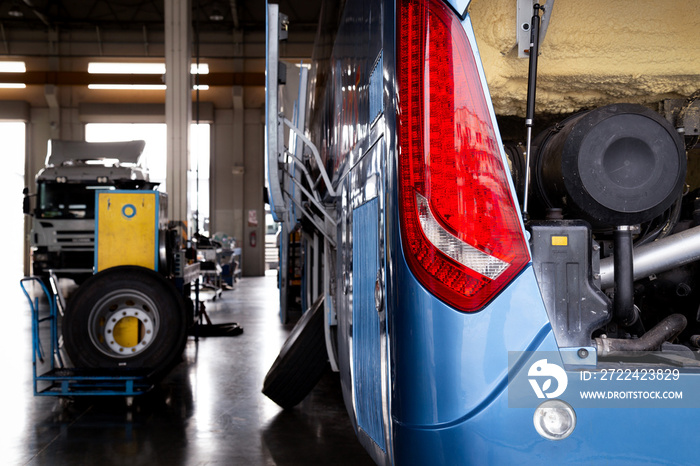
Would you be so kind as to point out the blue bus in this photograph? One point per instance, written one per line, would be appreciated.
(483, 301)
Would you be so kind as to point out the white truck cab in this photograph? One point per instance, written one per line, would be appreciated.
(62, 236)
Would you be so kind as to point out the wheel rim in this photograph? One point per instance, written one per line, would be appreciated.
(123, 323)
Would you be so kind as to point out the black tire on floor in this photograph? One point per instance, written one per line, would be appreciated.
(125, 318)
(301, 362)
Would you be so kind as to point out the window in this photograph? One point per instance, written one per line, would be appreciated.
(12, 135)
(155, 159)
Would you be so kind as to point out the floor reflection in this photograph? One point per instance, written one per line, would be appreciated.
(208, 410)
(318, 431)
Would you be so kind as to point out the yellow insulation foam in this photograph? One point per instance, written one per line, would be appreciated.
(595, 53)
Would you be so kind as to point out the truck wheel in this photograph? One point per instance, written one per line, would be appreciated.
(301, 362)
(123, 318)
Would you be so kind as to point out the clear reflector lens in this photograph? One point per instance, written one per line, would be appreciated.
(467, 255)
(554, 419)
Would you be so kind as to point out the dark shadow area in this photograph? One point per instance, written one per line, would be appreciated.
(317, 431)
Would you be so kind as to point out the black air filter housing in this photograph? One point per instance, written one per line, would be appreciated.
(621, 164)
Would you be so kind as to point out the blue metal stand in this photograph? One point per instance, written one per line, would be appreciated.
(59, 380)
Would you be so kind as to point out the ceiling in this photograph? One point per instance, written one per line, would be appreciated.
(57, 38)
(207, 15)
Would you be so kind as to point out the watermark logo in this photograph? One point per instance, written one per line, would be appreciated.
(546, 372)
(538, 376)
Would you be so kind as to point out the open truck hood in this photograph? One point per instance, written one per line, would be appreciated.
(127, 152)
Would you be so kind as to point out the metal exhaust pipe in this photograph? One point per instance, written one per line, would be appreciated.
(659, 256)
(666, 330)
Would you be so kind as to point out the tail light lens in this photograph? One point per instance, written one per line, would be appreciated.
(460, 228)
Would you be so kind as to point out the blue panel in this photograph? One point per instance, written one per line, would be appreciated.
(365, 322)
(376, 100)
(499, 434)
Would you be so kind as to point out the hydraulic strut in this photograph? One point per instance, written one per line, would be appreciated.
(531, 91)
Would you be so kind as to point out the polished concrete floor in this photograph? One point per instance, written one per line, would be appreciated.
(209, 410)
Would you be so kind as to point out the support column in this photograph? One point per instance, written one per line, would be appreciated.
(51, 96)
(178, 104)
(253, 205)
(50, 90)
(238, 152)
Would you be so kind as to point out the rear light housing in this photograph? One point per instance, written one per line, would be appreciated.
(460, 228)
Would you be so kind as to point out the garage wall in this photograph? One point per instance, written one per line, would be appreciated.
(238, 177)
(253, 193)
(237, 182)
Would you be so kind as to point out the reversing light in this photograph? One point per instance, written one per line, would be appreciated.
(554, 419)
(467, 255)
(460, 227)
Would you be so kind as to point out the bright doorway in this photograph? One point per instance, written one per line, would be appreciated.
(12, 135)
(155, 159)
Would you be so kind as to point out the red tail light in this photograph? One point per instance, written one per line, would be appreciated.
(459, 224)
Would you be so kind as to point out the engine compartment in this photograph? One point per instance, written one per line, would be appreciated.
(615, 227)
(613, 199)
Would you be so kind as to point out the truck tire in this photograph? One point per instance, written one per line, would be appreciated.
(301, 362)
(125, 318)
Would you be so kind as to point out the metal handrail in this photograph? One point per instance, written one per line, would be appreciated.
(316, 154)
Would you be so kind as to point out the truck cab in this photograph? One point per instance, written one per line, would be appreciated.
(62, 237)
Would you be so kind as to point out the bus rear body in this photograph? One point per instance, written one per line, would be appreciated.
(440, 298)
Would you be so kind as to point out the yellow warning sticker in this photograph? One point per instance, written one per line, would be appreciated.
(560, 240)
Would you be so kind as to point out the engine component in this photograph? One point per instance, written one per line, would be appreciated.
(624, 309)
(621, 164)
(685, 112)
(695, 341)
(515, 155)
(561, 256)
(659, 256)
(667, 329)
(531, 93)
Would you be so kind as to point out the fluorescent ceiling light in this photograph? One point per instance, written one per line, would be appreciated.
(303, 65)
(12, 67)
(12, 85)
(138, 68)
(129, 87)
(126, 68)
(216, 15)
(203, 68)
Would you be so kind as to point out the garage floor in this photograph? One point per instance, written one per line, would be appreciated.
(209, 410)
